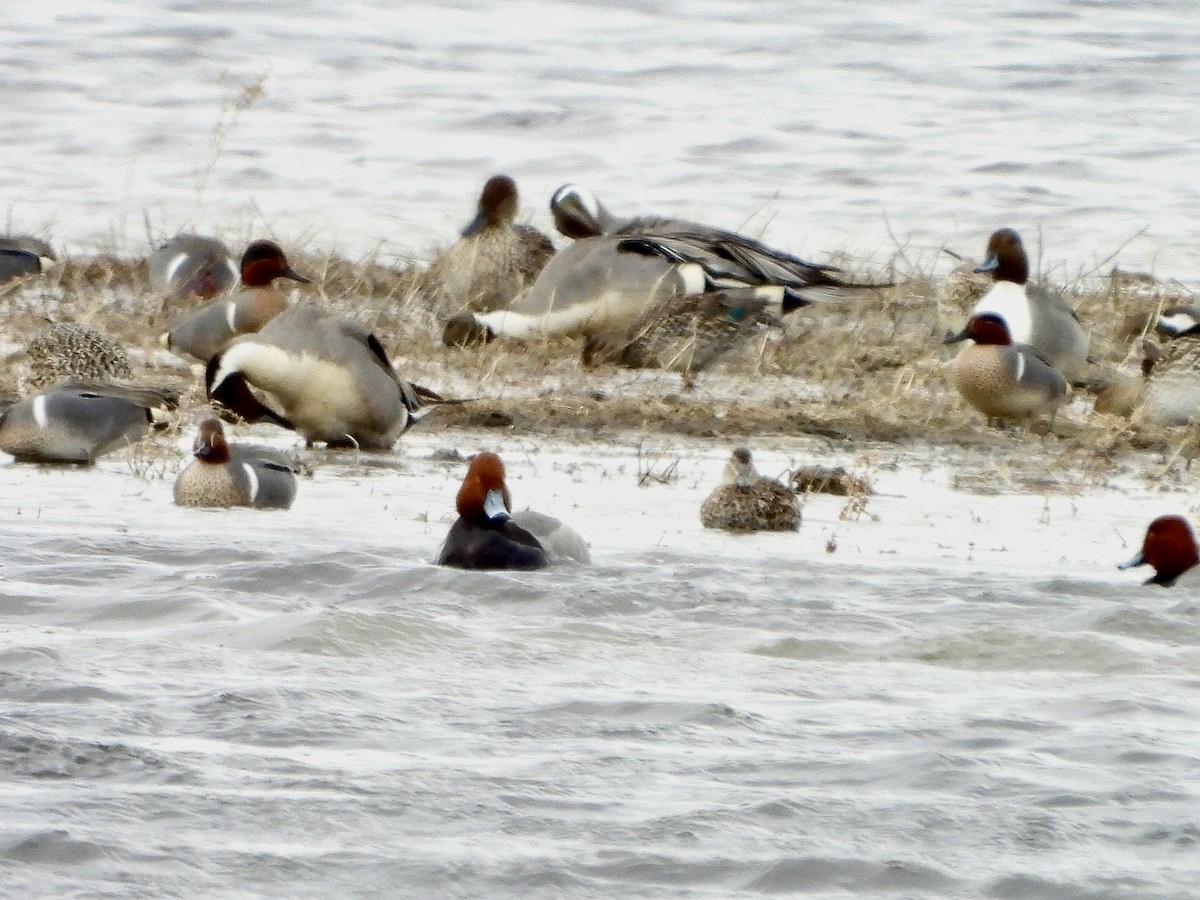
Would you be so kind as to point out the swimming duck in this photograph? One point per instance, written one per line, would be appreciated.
(22, 256)
(329, 378)
(222, 475)
(611, 287)
(191, 265)
(1034, 315)
(203, 333)
(1170, 548)
(487, 535)
(1003, 379)
(65, 352)
(76, 423)
(746, 501)
(495, 258)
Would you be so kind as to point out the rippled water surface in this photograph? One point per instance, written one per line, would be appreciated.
(826, 127)
(953, 694)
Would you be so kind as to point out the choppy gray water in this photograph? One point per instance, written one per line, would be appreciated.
(825, 126)
(966, 699)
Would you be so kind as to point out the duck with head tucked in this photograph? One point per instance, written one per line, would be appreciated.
(22, 256)
(325, 377)
(1003, 379)
(192, 265)
(205, 332)
(495, 258)
(1169, 547)
(746, 501)
(223, 476)
(488, 535)
(620, 281)
(76, 423)
(1035, 316)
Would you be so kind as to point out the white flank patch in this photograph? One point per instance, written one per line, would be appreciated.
(693, 278)
(252, 478)
(39, 411)
(1010, 302)
(231, 315)
(1177, 323)
(173, 266)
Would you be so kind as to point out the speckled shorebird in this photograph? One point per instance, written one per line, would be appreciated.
(1169, 547)
(488, 535)
(1035, 316)
(192, 265)
(495, 258)
(612, 287)
(206, 331)
(1003, 379)
(65, 352)
(222, 475)
(22, 256)
(78, 423)
(747, 501)
(328, 378)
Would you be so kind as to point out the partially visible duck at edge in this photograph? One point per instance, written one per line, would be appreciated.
(21, 256)
(1035, 316)
(329, 378)
(192, 265)
(746, 501)
(76, 423)
(223, 476)
(612, 287)
(495, 258)
(1004, 379)
(1169, 547)
(488, 535)
(205, 332)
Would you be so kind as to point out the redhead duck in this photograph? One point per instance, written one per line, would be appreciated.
(1169, 547)
(221, 475)
(495, 258)
(487, 535)
(206, 331)
(1003, 379)
(1035, 316)
(746, 501)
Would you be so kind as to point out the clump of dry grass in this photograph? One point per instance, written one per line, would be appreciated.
(871, 367)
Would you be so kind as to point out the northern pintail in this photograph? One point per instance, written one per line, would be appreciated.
(746, 501)
(205, 332)
(1004, 379)
(495, 258)
(613, 288)
(192, 265)
(222, 475)
(488, 535)
(1169, 547)
(329, 378)
(78, 423)
(1035, 316)
(23, 255)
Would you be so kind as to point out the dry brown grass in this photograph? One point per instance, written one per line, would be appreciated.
(871, 368)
